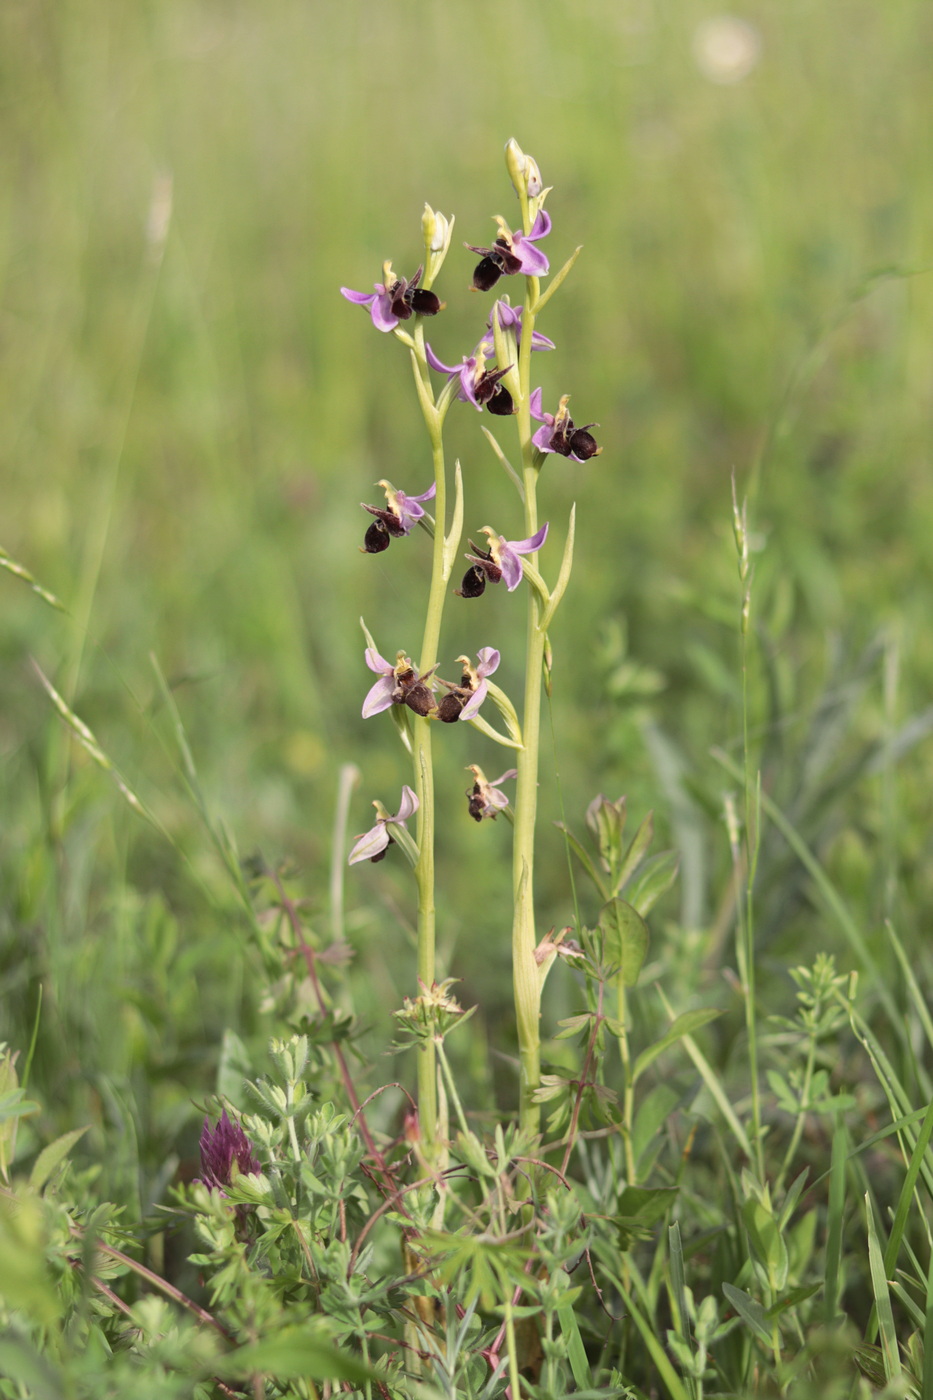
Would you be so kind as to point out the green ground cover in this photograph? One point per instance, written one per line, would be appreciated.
(190, 422)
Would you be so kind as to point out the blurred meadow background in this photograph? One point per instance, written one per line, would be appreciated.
(191, 416)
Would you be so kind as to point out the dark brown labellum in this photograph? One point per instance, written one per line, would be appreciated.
(583, 444)
(501, 402)
(474, 583)
(419, 699)
(425, 303)
(487, 273)
(376, 538)
(448, 711)
(476, 803)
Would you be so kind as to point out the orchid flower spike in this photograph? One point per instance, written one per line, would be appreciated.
(397, 685)
(559, 433)
(395, 299)
(401, 514)
(478, 385)
(374, 844)
(500, 561)
(512, 253)
(464, 700)
(486, 798)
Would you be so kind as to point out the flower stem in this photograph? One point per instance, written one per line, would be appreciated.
(525, 976)
(423, 764)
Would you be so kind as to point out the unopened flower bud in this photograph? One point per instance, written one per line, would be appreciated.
(523, 170)
(436, 229)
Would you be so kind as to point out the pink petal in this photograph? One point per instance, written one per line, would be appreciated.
(488, 659)
(369, 845)
(380, 697)
(472, 706)
(408, 805)
(377, 663)
(361, 298)
(532, 544)
(534, 405)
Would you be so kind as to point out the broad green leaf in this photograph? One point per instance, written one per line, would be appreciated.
(750, 1311)
(585, 859)
(576, 1353)
(656, 877)
(767, 1242)
(640, 1208)
(50, 1157)
(626, 935)
(686, 1024)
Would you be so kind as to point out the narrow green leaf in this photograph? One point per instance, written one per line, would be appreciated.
(834, 1222)
(576, 1352)
(713, 1084)
(18, 571)
(563, 577)
(507, 465)
(50, 1157)
(585, 859)
(656, 877)
(633, 856)
(767, 1242)
(750, 1311)
(452, 540)
(685, 1024)
(555, 282)
(882, 1294)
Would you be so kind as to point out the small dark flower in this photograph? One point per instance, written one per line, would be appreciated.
(222, 1149)
(395, 299)
(559, 433)
(401, 514)
(474, 581)
(500, 561)
(465, 699)
(511, 253)
(374, 844)
(484, 797)
(478, 385)
(398, 685)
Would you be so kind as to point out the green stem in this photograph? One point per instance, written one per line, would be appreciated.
(628, 1099)
(525, 975)
(421, 749)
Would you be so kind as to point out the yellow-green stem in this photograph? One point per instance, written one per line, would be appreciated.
(525, 976)
(423, 766)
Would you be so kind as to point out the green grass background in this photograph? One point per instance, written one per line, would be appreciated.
(184, 449)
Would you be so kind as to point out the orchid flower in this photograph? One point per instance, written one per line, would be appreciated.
(478, 385)
(500, 561)
(512, 253)
(401, 514)
(559, 433)
(485, 797)
(510, 319)
(394, 299)
(465, 699)
(397, 685)
(374, 844)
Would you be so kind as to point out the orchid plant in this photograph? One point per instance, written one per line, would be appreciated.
(495, 375)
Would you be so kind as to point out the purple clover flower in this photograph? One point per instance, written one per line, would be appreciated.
(512, 253)
(485, 797)
(500, 561)
(395, 299)
(397, 685)
(374, 844)
(464, 700)
(559, 433)
(222, 1149)
(402, 513)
